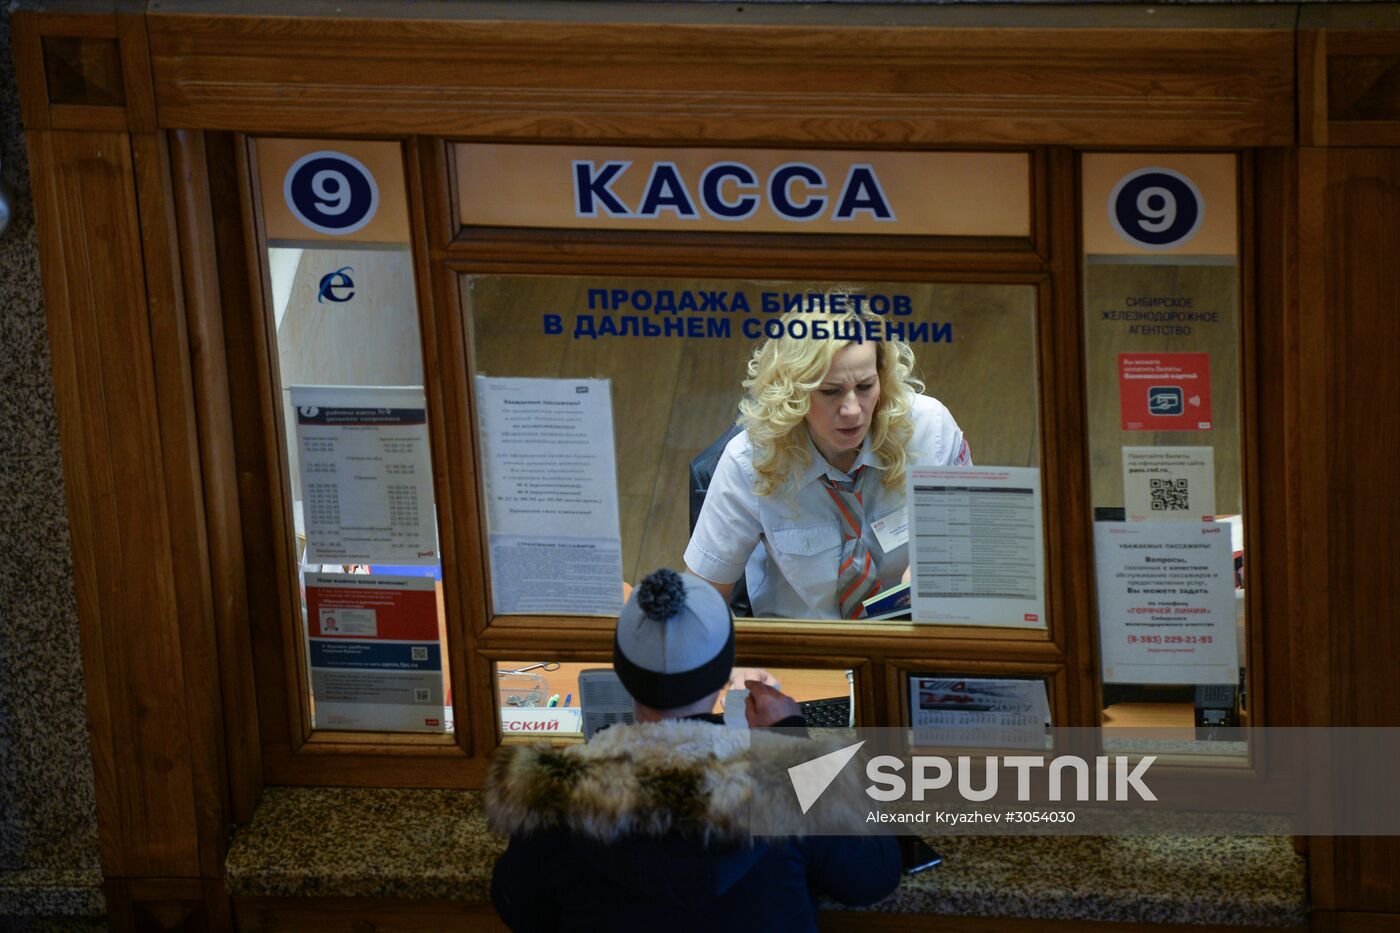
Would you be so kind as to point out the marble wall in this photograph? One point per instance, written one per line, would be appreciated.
(49, 861)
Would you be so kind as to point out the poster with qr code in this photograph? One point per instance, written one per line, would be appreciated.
(374, 651)
(1169, 484)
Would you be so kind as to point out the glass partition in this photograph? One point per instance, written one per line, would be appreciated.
(551, 699)
(606, 406)
(350, 387)
(1165, 437)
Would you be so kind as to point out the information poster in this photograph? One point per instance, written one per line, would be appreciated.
(1161, 238)
(551, 492)
(976, 548)
(1164, 391)
(1166, 602)
(1009, 713)
(375, 658)
(366, 475)
(1169, 484)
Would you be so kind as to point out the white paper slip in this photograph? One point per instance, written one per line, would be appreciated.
(735, 714)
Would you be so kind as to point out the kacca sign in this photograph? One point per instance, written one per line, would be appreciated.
(745, 191)
(730, 191)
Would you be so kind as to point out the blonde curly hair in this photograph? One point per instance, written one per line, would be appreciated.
(783, 374)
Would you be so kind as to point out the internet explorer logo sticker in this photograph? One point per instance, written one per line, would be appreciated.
(331, 281)
(811, 778)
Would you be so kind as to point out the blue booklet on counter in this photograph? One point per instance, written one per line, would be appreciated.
(894, 603)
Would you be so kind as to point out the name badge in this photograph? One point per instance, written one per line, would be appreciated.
(892, 531)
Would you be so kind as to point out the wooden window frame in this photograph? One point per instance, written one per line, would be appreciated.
(1050, 261)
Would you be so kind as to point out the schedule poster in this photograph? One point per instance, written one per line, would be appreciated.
(366, 475)
(1166, 602)
(551, 492)
(976, 546)
(1009, 713)
(373, 651)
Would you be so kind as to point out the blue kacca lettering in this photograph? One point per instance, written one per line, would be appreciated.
(712, 190)
(666, 191)
(729, 191)
(593, 187)
(330, 282)
(862, 192)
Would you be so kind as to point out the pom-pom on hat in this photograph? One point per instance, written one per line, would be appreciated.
(674, 642)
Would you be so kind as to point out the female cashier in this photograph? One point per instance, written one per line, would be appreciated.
(808, 500)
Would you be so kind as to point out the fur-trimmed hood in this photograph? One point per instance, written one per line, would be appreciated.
(643, 779)
(656, 810)
(647, 827)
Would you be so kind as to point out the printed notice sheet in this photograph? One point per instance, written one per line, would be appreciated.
(1169, 484)
(975, 545)
(1166, 602)
(551, 491)
(373, 651)
(1006, 713)
(366, 475)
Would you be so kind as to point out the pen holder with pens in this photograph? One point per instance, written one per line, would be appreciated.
(522, 689)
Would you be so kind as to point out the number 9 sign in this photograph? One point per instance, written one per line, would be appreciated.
(331, 192)
(1156, 208)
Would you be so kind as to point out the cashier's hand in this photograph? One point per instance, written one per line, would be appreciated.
(766, 706)
(739, 678)
(908, 574)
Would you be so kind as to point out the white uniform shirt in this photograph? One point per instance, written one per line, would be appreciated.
(789, 547)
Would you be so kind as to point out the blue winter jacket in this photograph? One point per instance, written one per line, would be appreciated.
(639, 830)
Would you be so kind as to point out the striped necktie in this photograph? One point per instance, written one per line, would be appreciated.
(858, 576)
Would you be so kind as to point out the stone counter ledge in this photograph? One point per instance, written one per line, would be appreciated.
(434, 845)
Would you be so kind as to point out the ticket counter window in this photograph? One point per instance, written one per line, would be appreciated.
(349, 371)
(568, 699)
(1166, 437)
(605, 407)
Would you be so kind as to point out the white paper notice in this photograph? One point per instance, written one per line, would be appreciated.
(976, 545)
(1166, 602)
(1163, 484)
(551, 492)
(1010, 713)
(366, 475)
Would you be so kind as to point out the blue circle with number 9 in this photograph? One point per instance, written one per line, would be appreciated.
(331, 192)
(1156, 208)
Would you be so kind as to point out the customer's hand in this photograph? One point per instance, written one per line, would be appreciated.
(739, 678)
(766, 706)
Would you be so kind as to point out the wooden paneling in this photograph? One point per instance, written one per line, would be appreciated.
(1361, 236)
(1340, 921)
(126, 485)
(184, 494)
(1349, 74)
(209, 369)
(1070, 542)
(1225, 80)
(85, 67)
(248, 416)
(140, 905)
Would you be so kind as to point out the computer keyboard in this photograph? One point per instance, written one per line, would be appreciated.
(830, 713)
